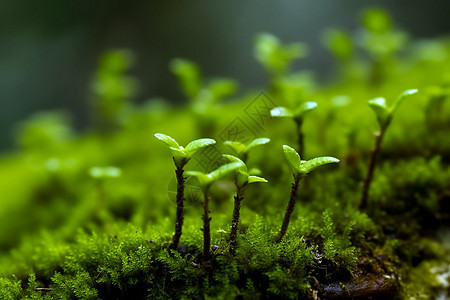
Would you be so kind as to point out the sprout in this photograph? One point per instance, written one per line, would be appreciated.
(274, 56)
(384, 115)
(299, 169)
(181, 156)
(242, 179)
(242, 150)
(298, 116)
(205, 181)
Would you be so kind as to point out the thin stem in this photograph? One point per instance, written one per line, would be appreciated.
(300, 137)
(374, 153)
(235, 219)
(180, 207)
(206, 228)
(290, 207)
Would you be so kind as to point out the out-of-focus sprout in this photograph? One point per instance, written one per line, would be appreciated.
(112, 89)
(100, 174)
(381, 41)
(384, 115)
(299, 169)
(44, 131)
(203, 96)
(205, 181)
(242, 150)
(339, 43)
(275, 57)
(181, 156)
(242, 179)
(297, 115)
(437, 95)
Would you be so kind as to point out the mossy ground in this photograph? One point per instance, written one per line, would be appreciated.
(65, 235)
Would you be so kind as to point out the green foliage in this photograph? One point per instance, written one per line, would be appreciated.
(297, 114)
(301, 167)
(274, 56)
(242, 174)
(104, 172)
(242, 150)
(205, 180)
(180, 154)
(383, 112)
(56, 244)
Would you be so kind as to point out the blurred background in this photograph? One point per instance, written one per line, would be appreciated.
(49, 50)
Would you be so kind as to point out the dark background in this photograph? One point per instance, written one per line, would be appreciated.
(49, 49)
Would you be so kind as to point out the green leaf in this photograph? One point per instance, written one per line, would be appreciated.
(224, 170)
(236, 146)
(253, 179)
(281, 112)
(292, 158)
(203, 179)
(304, 108)
(257, 142)
(378, 105)
(167, 140)
(311, 164)
(193, 146)
(400, 99)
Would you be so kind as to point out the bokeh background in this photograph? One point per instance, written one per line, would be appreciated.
(49, 50)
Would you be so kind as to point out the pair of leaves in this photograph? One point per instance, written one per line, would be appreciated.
(274, 56)
(105, 172)
(242, 174)
(383, 112)
(189, 76)
(302, 167)
(183, 154)
(297, 114)
(242, 149)
(206, 180)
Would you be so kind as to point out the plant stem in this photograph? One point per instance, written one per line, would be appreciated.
(374, 153)
(290, 207)
(206, 228)
(235, 220)
(300, 137)
(180, 206)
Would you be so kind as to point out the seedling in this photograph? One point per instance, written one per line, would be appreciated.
(203, 96)
(299, 169)
(181, 157)
(297, 116)
(275, 57)
(100, 174)
(242, 179)
(112, 88)
(242, 150)
(205, 181)
(384, 116)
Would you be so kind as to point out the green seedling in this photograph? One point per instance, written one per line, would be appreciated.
(100, 174)
(181, 157)
(299, 169)
(112, 88)
(384, 115)
(242, 150)
(205, 181)
(203, 97)
(297, 116)
(275, 57)
(242, 179)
